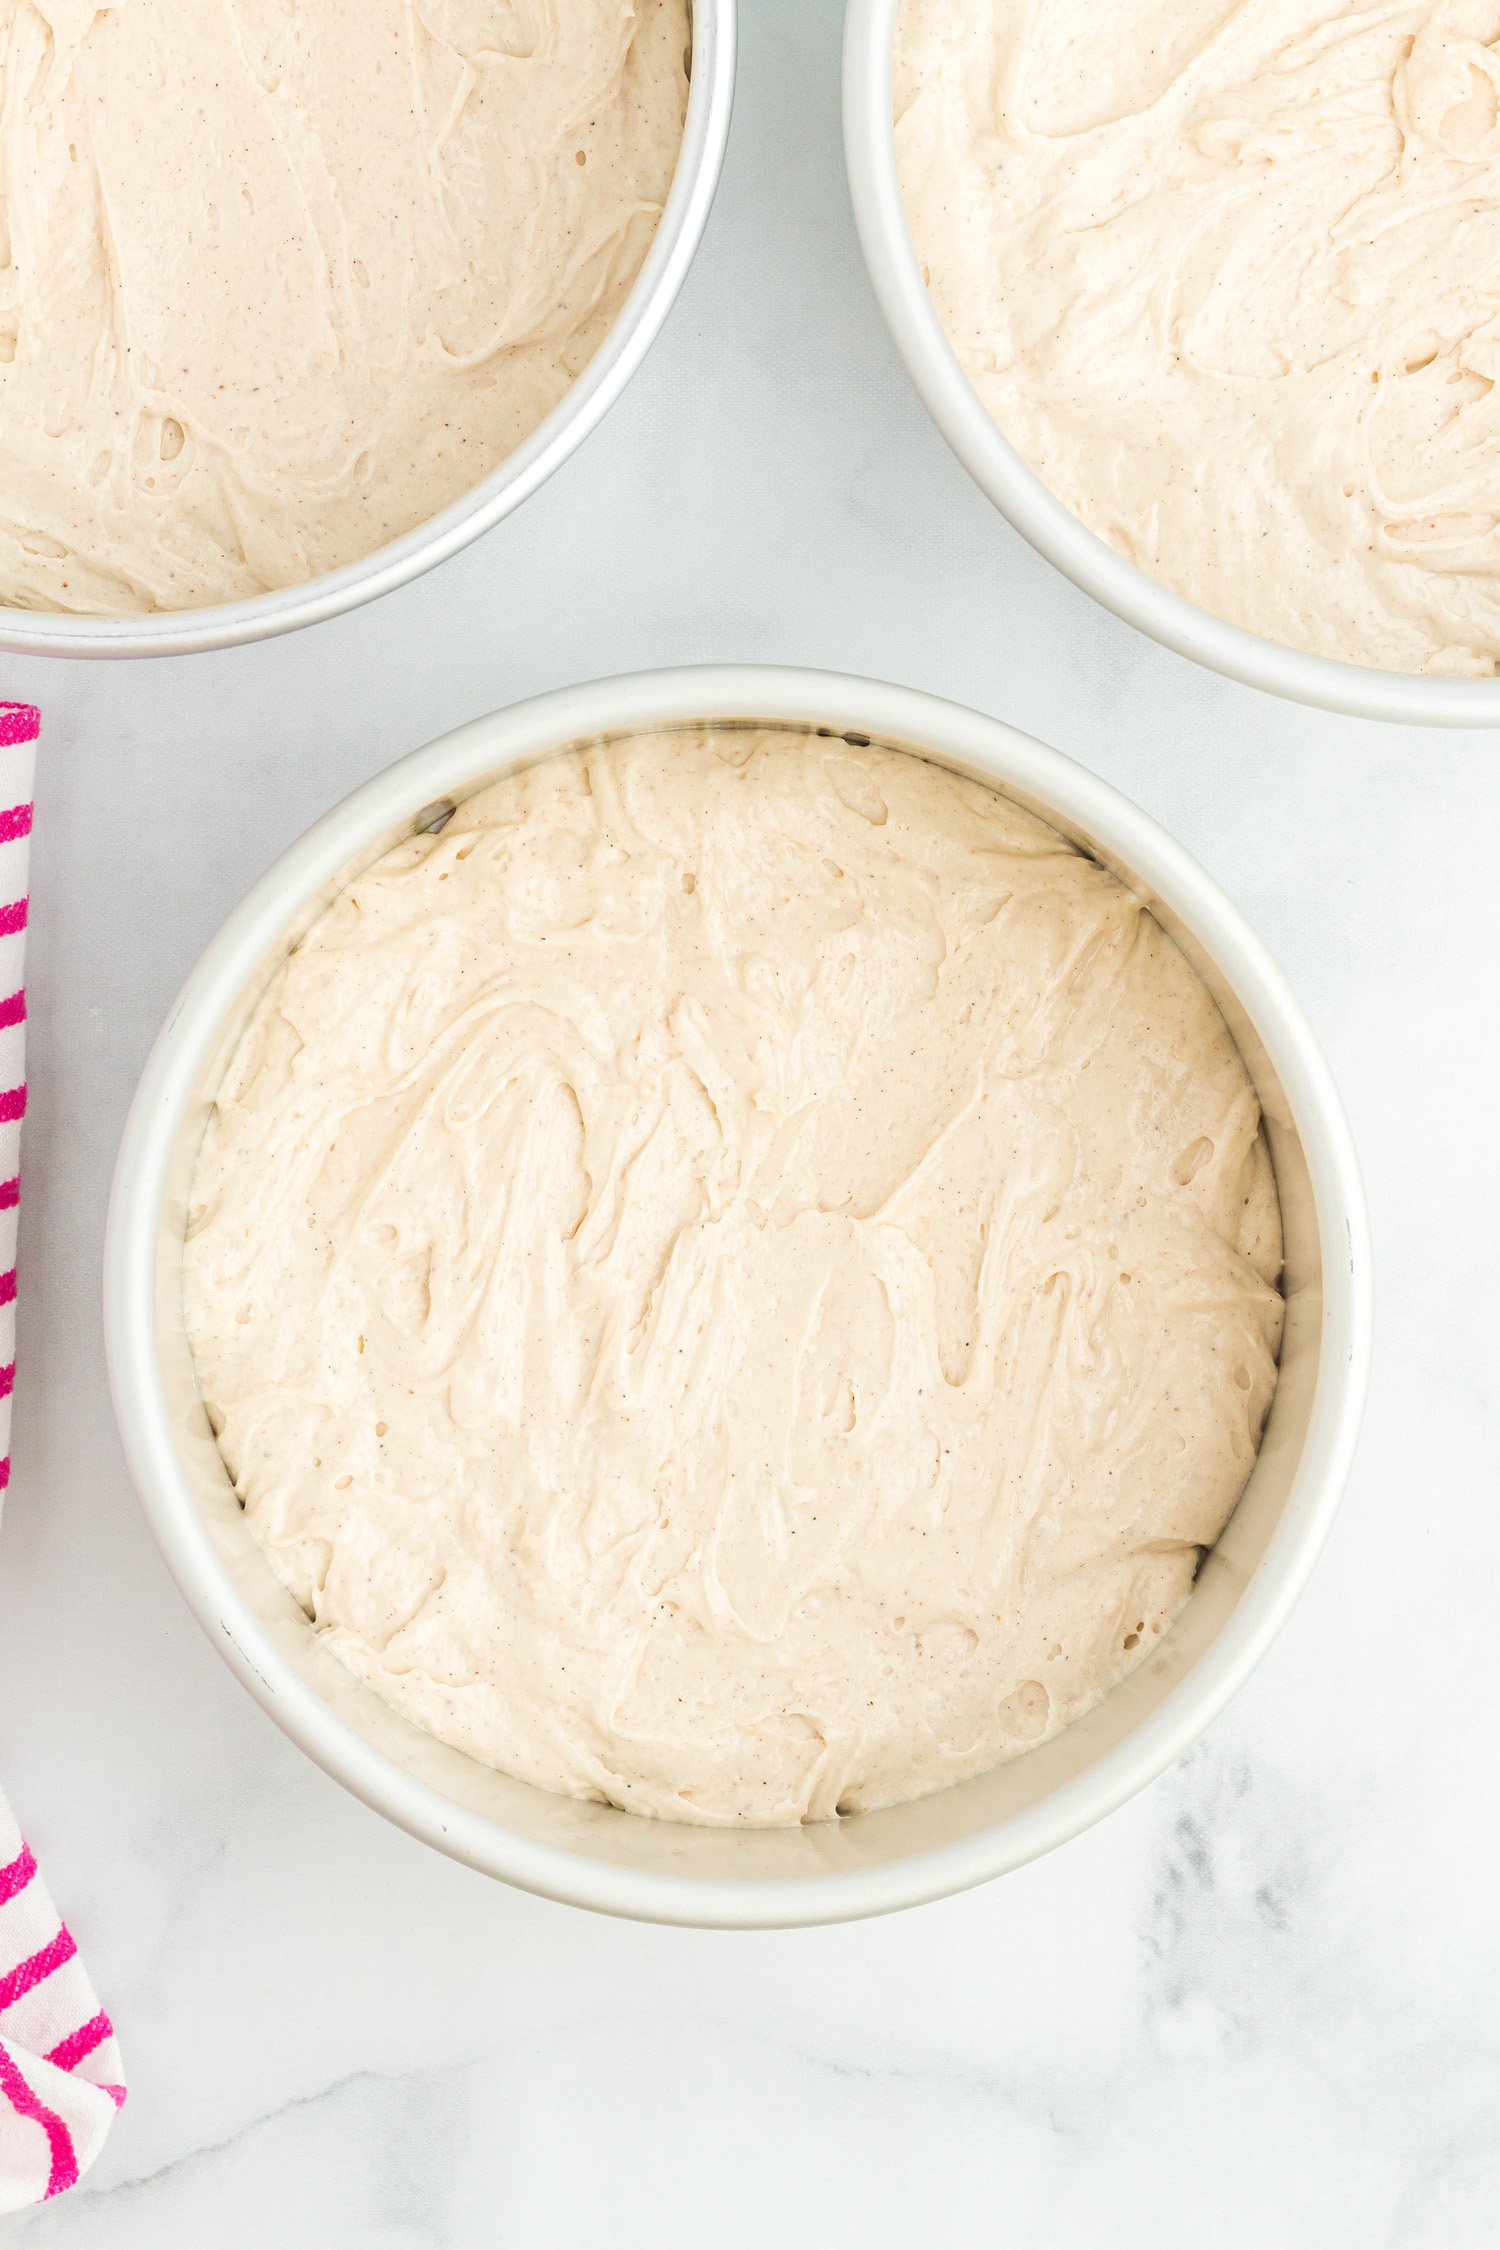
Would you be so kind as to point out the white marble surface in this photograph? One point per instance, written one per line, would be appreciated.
(1258, 2007)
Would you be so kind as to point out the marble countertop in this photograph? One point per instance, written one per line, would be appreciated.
(1258, 2006)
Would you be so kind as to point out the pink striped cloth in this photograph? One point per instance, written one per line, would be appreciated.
(60, 2077)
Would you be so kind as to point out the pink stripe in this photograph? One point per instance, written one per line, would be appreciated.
(12, 917)
(14, 821)
(7, 1380)
(10, 1193)
(5, 1474)
(62, 2169)
(7, 1287)
(12, 1104)
(19, 722)
(14, 1879)
(69, 2052)
(115, 2093)
(13, 1010)
(29, 1974)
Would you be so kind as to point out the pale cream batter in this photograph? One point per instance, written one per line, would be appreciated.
(280, 279)
(738, 1277)
(1227, 273)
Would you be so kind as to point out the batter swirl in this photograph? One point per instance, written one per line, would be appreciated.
(1227, 273)
(737, 1278)
(280, 279)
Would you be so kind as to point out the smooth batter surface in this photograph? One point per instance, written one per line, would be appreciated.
(1227, 273)
(279, 279)
(737, 1278)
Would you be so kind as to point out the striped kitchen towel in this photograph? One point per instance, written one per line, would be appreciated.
(60, 2077)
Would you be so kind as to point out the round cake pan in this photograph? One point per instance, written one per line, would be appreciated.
(998, 469)
(590, 1854)
(178, 632)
